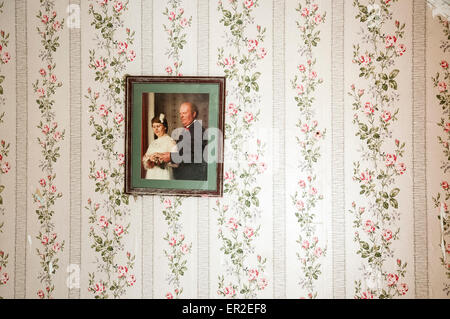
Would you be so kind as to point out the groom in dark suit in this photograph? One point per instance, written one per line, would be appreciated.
(191, 146)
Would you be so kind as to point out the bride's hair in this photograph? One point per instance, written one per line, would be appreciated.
(161, 119)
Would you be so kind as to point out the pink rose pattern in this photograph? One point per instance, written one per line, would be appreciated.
(176, 31)
(310, 135)
(238, 211)
(442, 200)
(380, 165)
(47, 192)
(4, 148)
(108, 218)
(46, 85)
(178, 249)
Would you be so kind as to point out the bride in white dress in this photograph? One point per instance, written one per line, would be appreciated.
(163, 143)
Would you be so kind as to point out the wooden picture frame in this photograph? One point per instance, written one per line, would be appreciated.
(174, 136)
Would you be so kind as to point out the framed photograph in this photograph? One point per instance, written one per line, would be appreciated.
(174, 135)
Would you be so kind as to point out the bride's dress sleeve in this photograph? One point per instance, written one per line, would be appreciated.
(146, 157)
(173, 146)
(173, 149)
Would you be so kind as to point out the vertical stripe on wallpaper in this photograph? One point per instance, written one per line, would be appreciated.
(380, 145)
(22, 150)
(279, 157)
(359, 162)
(73, 23)
(147, 201)
(203, 37)
(203, 203)
(438, 154)
(49, 160)
(309, 138)
(175, 231)
(112, 217)
(243, 216)
(338, 156)
(419, 150)
(7, 148)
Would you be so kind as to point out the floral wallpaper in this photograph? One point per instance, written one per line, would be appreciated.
(441, 200)
(307, 195)
(237, 213)
(47, 192)
(178, 247)
(281, 130)
(381, 164)
(108, 217)
(4, 150)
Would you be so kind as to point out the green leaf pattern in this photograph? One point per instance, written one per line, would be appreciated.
(45, 87)
(306, 197)
(441, 83)
(176, 31)
(5, 57)
(239, 211)
(178, 248)
(109, 216)
(375, 111)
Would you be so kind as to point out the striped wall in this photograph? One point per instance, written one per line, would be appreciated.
(306, 237)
